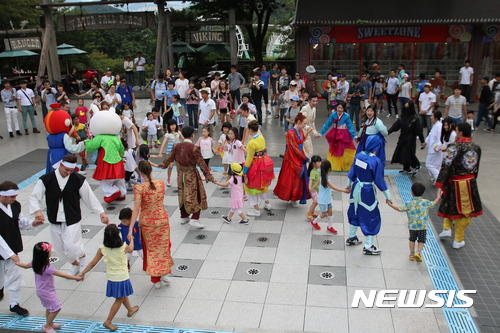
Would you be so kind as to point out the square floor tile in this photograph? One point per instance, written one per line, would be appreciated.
(198, 236)
(266, 226)
(262, 240)
(324, 320)
(220, 270)
(327, 275)
(192, 251)
(213, 212)
(365, 277)
(208, 289)
(247, 271)
(258, 254)
(240, 314)
(199, 311)
(89, 231)
(233, 239)
(172, 191)
(282, 317)
(370, 320)
(327, 258)
(286, 293)
(290, 273)
(326, 296)
(224, 253)
(247, 291)
(186, 268)
(272, 215)
(327, 242)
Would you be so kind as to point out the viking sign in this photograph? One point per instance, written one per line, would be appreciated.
(106, 21)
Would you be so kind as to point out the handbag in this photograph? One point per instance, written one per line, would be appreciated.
(324, 94)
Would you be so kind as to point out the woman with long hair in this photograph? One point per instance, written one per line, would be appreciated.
(128, 65)
(406, 148)
(372, 125)
(437, 142)
(340, 135)
(293, 181)
(154, 225)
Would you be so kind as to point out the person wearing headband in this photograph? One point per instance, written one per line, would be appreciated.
(62, 189)
(12, 221)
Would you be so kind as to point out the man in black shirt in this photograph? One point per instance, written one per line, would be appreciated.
(356, 93)
(256, 85)
(484, 102)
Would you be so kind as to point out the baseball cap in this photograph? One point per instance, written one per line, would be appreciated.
(427, 85)
(204, 90)
(293, 84)
(310, 69)
(486, 78)
(295, 98)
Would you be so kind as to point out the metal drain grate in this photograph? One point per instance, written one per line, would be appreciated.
(175, 191)
(253, 271)
(262, 239)
(225, 192)
(214, 212)
(110, 208)
(271, 214)
(201, 237)
(53, 259)
(85, 231)
(182, 268)
(327, 242)
(326, 275)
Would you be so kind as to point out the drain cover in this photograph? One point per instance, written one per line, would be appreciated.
(271, 214)
(53, 259)
(110, 208)
(263, 239)
(327, 242)
(326, 275)
(225, 192)
(85, 231)
(253, 271)
(215, 212)
(201, 236)
(182, 268)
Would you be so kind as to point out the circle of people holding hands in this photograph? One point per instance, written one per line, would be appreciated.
(453, 163)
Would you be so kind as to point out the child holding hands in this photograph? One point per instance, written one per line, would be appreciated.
(237, 202)
(44, 282)
(417, 210)
(114, 251)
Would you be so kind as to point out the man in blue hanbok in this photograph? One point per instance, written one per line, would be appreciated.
(366, 172)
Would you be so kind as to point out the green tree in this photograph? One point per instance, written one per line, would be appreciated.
(259, 12)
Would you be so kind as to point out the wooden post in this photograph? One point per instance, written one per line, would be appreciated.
(233, 43)
(54, 71)
(163, 50)
(169, 49)
(159, 65)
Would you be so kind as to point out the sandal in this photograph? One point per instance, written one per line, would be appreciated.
(130, 314)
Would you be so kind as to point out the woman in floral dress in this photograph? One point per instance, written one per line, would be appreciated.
(154, 225)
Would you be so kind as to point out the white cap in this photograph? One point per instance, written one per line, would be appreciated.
(310, 69)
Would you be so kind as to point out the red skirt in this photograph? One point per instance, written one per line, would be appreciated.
(104, 170)
(338, 140)
(260, 175)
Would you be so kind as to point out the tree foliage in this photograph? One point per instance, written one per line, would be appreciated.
(261, 16)
(17, 11)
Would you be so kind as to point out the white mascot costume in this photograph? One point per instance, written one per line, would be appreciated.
(110, 171)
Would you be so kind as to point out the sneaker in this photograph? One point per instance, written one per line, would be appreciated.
(83, 173)
(371, 251)
(196, 224)
(295, 204)
(150, 146)
(156, 146)
(169, 183)
(397, 116)
(158, 142)
(414, 171)
(185, 220)
(310, 217)
(315, 226)
(1, 294)
(281, 123)
(315, 215)
(157, 285)
(332, 230)
(245, 221)
(196, 130)
(254, 212)
(226, 219)
(489, 130)
(202, 177)
(19, 310)
(84, 166)
(74, 270)
(267, 206)
(35, 130)
(445, 233)
(418, 257)
(11, 134)
(403, 171)
(245, 197)
(165, 279)
(412, 257)
(456, 245)
(268, 112)
(388, 116)
(18, 132)
(352, 241)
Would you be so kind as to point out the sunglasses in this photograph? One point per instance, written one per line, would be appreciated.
(123, 81)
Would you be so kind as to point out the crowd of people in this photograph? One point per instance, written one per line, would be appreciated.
(357, 148)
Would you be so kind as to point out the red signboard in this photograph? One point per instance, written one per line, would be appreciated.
(390, 34)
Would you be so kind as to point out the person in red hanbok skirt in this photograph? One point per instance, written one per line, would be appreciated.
(293, 180)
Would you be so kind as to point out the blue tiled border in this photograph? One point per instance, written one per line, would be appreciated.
(459, 319)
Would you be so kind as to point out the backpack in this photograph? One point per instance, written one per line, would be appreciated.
(155, 82)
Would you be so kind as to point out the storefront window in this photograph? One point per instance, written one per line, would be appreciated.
(490, 59)
(344, 57)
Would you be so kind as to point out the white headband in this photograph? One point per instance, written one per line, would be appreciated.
(9, 193)
(68, 164)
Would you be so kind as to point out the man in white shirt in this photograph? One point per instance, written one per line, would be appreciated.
(392, 93)
(9, 100)
(107, 80)
(48, 94)
(140, 68)
(206, 111)
(456, 106)
(26, 104)
(11, 244)
(427, 101)
(63, 189)
(466, 78)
